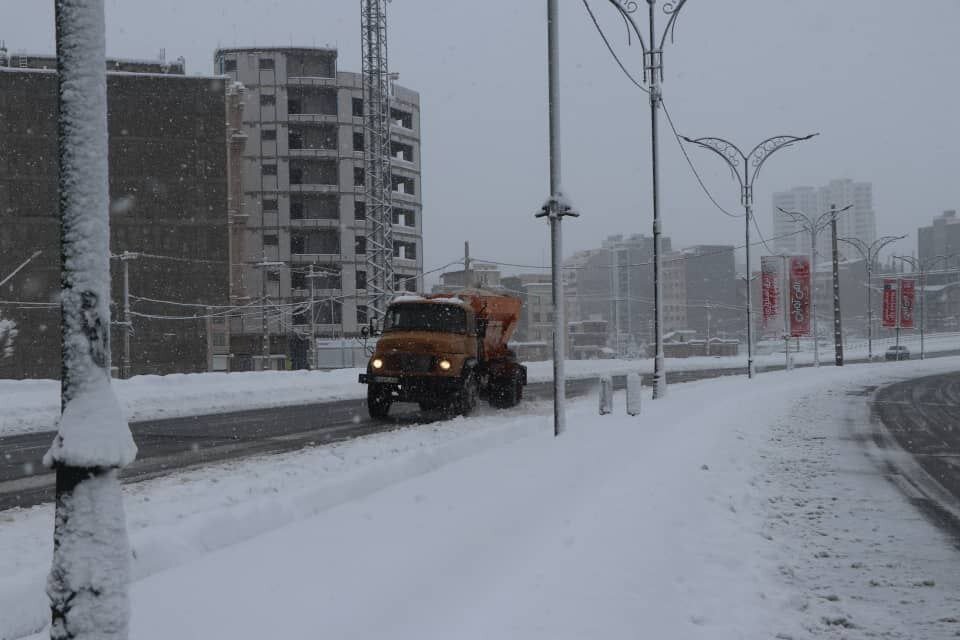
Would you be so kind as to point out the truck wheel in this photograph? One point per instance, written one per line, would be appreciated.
(469, 394)
(506, 393)
(378, 402)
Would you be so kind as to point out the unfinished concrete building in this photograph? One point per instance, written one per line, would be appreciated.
(303, 203)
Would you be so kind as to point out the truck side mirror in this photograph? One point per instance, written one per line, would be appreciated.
(364, 331)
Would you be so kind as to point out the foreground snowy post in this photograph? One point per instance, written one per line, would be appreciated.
(606, 395)
(634, 387)
(87, 585)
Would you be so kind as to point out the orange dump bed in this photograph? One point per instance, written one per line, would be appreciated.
(501, 312)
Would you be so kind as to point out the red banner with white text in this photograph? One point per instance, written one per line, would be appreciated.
(907, 297)
(889, 315)
(770, 293)
(799, 296)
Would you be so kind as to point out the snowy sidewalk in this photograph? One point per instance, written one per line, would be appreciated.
(731, 509)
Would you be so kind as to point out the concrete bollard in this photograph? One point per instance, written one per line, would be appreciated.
(634, 387)
(606, 395)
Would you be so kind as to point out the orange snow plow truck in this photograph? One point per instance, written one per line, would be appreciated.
(446, 351)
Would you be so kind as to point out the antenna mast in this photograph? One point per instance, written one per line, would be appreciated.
(378, 181)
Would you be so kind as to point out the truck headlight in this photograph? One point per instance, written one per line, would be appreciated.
(377, 363)
(445, 365)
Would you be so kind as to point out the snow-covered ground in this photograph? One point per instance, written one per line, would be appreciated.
(34, 405)
(730, 509)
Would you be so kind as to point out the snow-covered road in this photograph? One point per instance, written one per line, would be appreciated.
(731, 509)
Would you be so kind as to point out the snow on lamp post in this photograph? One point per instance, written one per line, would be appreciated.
(652, 49)
(87, 585)
(745, 167)
(869, 253)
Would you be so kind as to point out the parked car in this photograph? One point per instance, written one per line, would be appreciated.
(897, 353)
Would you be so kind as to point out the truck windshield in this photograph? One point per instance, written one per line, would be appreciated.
(447, 318)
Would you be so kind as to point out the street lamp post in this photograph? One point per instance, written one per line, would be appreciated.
(869, 253)
(554, 210)
(814, 226)
(923, 267)
(740, 165)
(652, 48)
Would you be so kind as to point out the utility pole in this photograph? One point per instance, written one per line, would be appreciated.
(554, 210)
(467, 274)
(127, 324)
(707, 308)
(746, 167)
(265, 266)
(90, 571)
(652, 49)
(869, 254)
(814, 226)
(313, 320)
(785, 303)
(837, 329)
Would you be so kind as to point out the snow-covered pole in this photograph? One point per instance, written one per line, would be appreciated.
(555, 209)
(88, 579)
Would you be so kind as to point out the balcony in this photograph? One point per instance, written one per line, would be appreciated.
(313, 153)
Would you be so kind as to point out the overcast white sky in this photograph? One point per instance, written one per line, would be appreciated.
(876, 78)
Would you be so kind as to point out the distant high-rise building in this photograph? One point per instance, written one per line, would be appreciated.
(858, 222)
(711, 290)
(788, 236)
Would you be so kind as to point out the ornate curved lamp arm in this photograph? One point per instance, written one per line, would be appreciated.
(728, 151)
(801, 219)
(759, 154)
(627, 8)
(880, 243)
(859, 245)
(672, 9)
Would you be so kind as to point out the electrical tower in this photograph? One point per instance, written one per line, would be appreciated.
(378, 180)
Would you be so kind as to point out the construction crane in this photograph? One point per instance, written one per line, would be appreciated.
(378, 181)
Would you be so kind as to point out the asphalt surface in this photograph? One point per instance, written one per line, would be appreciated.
(922, 417)
(176, 444)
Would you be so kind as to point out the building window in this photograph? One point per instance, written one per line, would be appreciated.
(268, 135)
(219, 340)
(298, 280)
(359, 210)
(401, 118)
(360, 245)
(269, 169)
(270, 204)
(358, 141)
(362, 280)
(361, 315)
(267, 99)
(359, 177)
(266, 64)
(229, 64)
(271, 239)
(358, 107)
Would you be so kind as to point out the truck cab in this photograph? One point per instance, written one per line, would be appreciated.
(445, 352)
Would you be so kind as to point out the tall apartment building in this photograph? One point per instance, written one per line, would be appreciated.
(858, 222)
(303, 195)
(168, 205)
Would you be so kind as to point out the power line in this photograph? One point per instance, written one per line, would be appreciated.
(693, 168)
(648, 263)
(610, 49)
